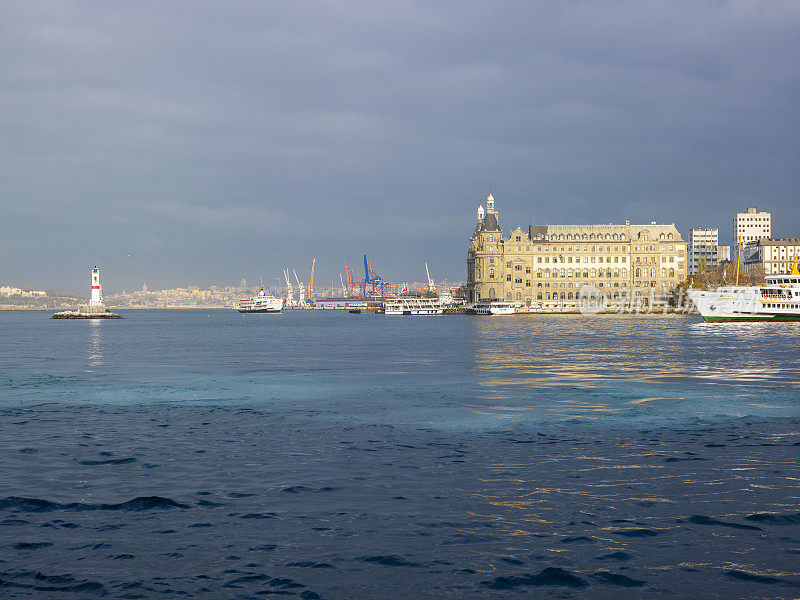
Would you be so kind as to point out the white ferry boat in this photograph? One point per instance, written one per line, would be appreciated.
(261, 303)
(413, 306)
(777, 300)
(493, 307)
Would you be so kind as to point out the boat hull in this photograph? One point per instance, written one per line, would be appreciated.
(259, 310)
(729, 318)
(724, 307)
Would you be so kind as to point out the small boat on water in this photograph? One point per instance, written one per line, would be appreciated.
(777, 300)
(414, 306)
(492, 307)
(261, 303)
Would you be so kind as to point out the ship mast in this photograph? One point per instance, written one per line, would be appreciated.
(738, 261)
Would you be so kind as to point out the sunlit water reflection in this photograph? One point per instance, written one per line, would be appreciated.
(657, 367)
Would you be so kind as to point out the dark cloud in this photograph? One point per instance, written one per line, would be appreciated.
(205, 141)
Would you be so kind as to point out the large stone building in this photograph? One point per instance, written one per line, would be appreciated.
(549, 264)
(775, 255)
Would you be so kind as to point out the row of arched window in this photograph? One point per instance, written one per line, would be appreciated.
(564, 295)
(664, 272)
(584, 273)
(592, 236)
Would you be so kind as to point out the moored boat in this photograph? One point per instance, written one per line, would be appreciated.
(777, 300)
(413, 306)
(492, 307)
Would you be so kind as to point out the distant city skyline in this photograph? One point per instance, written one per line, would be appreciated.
(200, 143)
(270, 282)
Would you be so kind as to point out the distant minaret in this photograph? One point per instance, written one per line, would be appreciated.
(97, 293)
(144, 287)
(480, 213)
(489, 203)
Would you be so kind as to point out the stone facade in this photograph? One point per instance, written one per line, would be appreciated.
(775, 255)
(548, 265)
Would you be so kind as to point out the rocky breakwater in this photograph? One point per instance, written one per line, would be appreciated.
(86, 311)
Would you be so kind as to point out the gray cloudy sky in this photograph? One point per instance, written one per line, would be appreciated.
(202, 142)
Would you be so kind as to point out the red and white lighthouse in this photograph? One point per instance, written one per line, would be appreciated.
(97, 292)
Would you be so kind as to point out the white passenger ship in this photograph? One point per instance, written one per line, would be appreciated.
(414, 306)
(777, 300)
(493, 307)
(261, 303)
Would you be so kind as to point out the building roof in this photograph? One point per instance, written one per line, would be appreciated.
(610, 228)
(489, 223)
(776, 242)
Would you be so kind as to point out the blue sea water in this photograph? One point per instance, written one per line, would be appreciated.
(319, 454)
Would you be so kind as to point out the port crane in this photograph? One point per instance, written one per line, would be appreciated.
(311, 281)
(353, 287)
(431, 286)
(301, 290)
(372, 278)
(289, 290)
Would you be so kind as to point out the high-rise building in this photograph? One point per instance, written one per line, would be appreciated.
(751, 226)
(703, 247)
(724, 254)
(549, 264)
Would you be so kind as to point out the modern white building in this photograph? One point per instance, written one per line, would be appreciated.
(774, 255)
(724, 254)
(703, 246)
(751, 226)
(7, 290)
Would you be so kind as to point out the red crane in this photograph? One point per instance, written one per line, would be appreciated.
(353, 286)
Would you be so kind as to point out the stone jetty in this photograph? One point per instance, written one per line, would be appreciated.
(87, 312)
